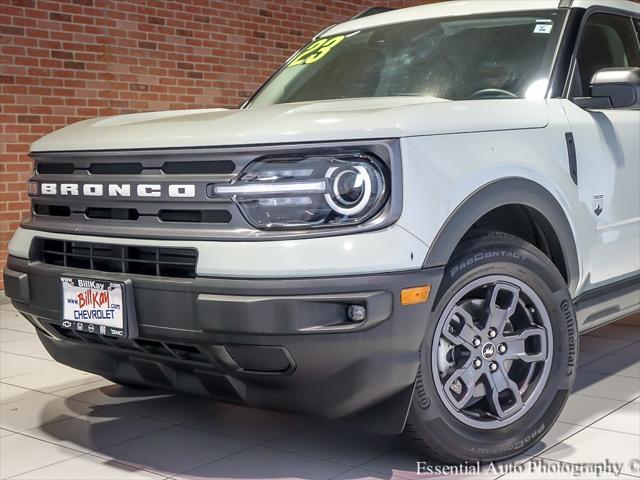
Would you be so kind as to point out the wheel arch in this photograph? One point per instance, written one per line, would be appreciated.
(510, 192)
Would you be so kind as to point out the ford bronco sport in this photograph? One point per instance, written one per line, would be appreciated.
(408, 225)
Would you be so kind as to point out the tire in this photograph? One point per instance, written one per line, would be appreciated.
(497, 280)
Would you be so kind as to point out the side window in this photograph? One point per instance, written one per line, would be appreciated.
(608, 41)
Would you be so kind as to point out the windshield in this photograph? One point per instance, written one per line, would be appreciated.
(457, 58)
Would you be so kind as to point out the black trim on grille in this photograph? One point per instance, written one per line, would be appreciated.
(112, 213)
(103, 257)
(55, 168)
(51, 210)
(220, 167)
(195, 216)
(115, 168)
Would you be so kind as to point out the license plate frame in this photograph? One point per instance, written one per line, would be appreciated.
(111, 300)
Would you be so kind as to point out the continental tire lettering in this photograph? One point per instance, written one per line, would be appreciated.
(567, 311)
(479, 257)
(424, 401)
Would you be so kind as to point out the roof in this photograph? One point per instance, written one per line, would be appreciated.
(469, 7)
(621, 4)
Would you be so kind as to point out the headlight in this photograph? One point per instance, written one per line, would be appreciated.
(310, 192)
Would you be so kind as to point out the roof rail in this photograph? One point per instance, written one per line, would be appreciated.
(565, 4)
(372, 11)
(319, 34)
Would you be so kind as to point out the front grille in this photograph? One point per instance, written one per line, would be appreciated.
(98, 192)
(104, 257)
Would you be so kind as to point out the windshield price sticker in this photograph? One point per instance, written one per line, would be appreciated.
(545, 28)
(316, 51)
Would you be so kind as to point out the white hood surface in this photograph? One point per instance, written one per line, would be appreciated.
(331, 120)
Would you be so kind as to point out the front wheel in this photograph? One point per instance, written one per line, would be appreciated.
(499, 354)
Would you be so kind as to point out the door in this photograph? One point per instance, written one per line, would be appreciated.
(608, 154)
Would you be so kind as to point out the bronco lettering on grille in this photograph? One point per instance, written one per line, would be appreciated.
(117, 190)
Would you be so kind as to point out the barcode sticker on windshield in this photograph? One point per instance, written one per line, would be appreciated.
(543, 28)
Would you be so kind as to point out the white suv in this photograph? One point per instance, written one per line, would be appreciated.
(407, 225)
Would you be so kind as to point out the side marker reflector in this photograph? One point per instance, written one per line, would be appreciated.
(415, 295)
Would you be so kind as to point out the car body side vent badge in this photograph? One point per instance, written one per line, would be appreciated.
(573, 160)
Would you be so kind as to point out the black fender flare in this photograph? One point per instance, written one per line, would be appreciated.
(508, 191)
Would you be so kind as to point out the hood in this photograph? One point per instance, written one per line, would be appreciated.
(330, 120)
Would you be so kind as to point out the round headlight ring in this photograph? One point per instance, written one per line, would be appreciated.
(335, 198)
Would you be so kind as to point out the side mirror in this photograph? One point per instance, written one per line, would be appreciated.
(613, 88)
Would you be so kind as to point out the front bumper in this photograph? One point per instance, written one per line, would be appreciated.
(278, 344)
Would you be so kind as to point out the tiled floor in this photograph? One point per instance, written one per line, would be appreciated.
(59, 423)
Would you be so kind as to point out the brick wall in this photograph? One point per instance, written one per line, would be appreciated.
(64, 61)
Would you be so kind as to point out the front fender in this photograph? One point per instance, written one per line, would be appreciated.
(502, 192)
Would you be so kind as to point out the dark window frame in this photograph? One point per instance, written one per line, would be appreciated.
(571, 77)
